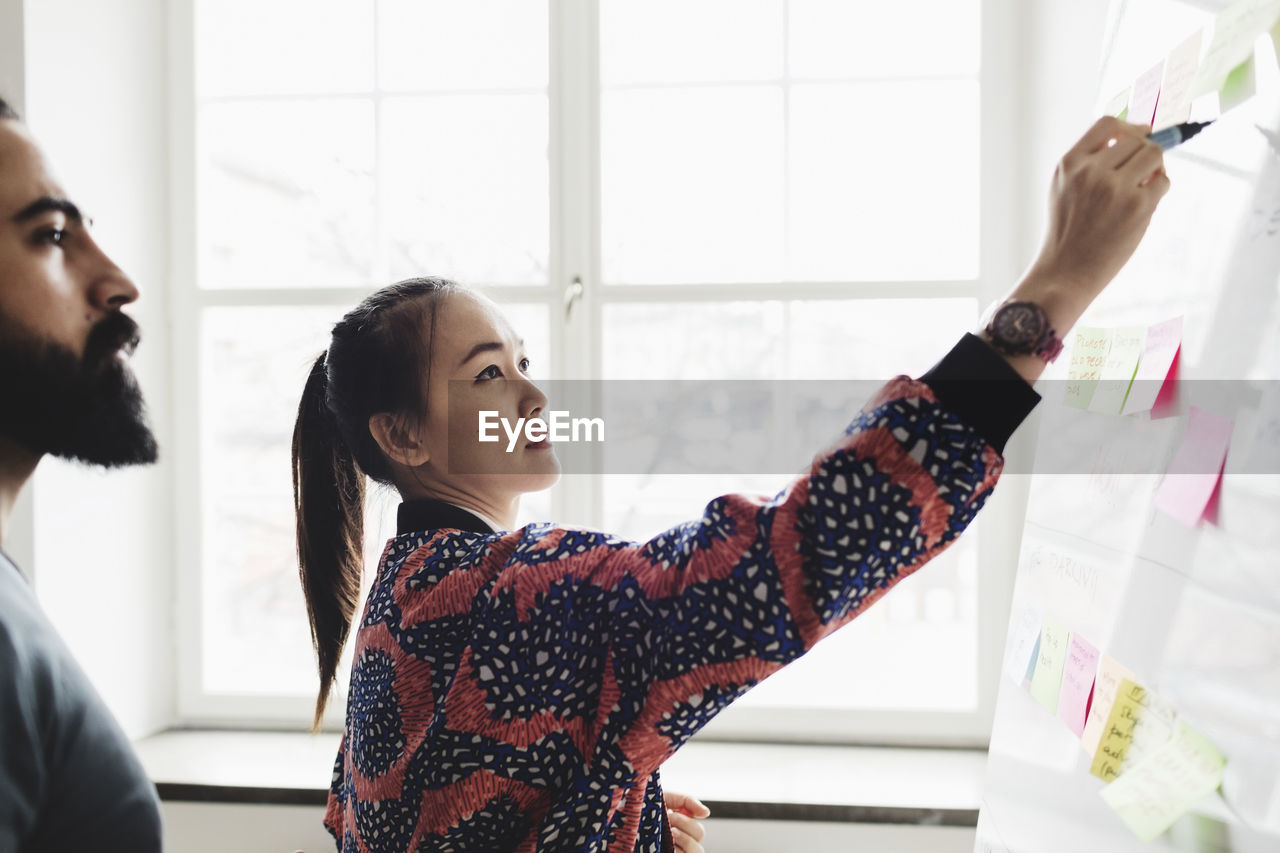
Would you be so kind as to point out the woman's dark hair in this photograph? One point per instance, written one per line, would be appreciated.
(377, 357)
(8, 112)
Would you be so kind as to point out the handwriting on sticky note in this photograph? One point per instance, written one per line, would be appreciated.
(1077, 683)
(1047, 678)
(1152, 793)
(1111, 673)
(1235, 29)
(1174, 105)
(1144, 95)
(1139, 723)
(1159, 348)
(1118, 369)
(1088, 353)
(1021, 649)
(1196, 466)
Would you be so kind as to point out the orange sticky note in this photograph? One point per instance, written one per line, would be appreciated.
(1180, 68)
(1196, 467)
(1110, 674)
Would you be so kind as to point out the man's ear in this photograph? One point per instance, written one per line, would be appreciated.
(400, 442)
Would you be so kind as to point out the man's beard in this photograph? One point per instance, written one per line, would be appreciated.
(86, 409)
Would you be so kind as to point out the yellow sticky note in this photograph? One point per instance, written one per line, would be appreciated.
(1152, 794)
(1140, 722)
(1110, 673)
(1046, 682)
(1118, 369)
(1088, 353)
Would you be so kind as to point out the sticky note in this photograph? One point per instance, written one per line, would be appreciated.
(1047, 678)
(1110, 674)
(1118, 105)
(1021, 649)
(1235, 30)
(1144, 94)
(1265, 455)
(1077, 683)
(1160, 345)
(1118, 369)
(1196, 466)
(1153, 793)
(1139, 723)
(1241, 85)
(1174, 105)
(1088, 353)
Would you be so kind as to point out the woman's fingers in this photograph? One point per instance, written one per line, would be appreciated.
(686, 832)
(683, 802)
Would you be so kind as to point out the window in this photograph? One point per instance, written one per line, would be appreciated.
(744, 189)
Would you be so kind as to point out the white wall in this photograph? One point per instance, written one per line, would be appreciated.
(96, 98)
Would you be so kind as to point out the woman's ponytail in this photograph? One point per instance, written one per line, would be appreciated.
(328, 500)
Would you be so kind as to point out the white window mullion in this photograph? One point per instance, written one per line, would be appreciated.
(575, 228)
(184, 311)
(1000, 244)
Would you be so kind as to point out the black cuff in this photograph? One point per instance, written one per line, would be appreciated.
(975, 382)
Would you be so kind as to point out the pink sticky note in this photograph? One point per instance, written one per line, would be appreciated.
(1196, 467)
(1155, 367)
(1144, 95)
(1077, 683)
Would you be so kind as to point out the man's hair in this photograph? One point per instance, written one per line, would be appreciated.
(7, 111)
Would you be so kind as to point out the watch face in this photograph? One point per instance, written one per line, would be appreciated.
(1017, 325)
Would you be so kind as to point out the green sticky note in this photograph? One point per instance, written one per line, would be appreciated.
(1046, 681)
(1118, 369)
(1124, 113)
(1153, 793)
(1240, 85)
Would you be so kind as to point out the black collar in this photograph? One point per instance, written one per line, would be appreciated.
(433, 514)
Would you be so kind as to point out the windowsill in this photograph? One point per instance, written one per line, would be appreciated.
(843, 784)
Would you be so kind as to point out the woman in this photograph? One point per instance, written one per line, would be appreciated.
(519, 689)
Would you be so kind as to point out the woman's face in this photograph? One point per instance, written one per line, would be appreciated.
(478, 363)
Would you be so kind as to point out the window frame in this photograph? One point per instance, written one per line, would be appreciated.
(576, 335)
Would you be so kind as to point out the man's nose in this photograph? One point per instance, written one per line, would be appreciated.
(109, 287)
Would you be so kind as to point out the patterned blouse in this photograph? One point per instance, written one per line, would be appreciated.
(519, 690)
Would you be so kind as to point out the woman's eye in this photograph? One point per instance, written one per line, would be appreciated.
(524, 365)
(490, 372)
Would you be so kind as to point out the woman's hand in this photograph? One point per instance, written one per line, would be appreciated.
(683, 812)
(1105, 191)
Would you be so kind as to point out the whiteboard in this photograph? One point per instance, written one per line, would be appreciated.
(1193, 612)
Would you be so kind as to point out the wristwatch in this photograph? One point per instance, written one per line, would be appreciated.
(1020, 327)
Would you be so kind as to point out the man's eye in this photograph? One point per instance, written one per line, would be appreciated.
(51, 236)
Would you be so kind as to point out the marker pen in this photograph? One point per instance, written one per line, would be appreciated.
(1177, 134)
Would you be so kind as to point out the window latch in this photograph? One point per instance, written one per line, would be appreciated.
(572, 293)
